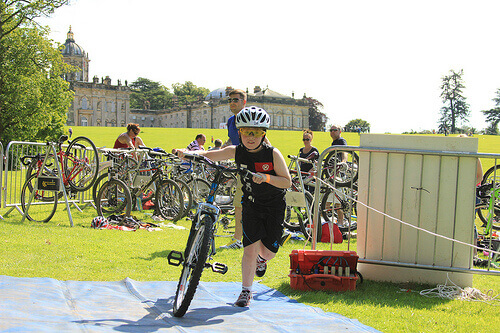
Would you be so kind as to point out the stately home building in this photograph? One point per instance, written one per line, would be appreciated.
(213, 111)
(96, 103)
(100, 103)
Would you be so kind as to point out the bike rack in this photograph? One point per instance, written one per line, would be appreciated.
(61, 185)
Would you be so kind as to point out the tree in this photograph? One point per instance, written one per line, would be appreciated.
(353, 125)
(149, 94)
(317, 119)
(493, 116)
(34, 98)
(456, 107)
(189, 92)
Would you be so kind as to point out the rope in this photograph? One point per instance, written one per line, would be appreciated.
(453, 291)
(406, 223)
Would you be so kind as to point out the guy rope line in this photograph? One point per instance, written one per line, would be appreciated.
(406, 223)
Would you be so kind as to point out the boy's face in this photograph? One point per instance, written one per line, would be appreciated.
(251, 137)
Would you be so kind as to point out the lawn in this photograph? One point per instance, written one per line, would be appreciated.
(58, 251)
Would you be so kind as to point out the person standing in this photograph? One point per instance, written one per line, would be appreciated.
(237, 101)
(130, 138)
(308, 152)
(335, 132)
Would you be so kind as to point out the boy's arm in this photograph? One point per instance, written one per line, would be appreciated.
(214, 155)
(282, 178)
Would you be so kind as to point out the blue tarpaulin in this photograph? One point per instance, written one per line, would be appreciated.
(49, 305)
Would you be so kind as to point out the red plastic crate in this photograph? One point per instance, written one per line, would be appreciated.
(323, 270)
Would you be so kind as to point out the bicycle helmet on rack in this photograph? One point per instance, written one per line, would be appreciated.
(99, 222)
(253, 116)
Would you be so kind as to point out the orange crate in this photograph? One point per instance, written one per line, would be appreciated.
(323, 270)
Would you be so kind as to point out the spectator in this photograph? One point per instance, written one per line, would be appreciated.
(198, 143)
(217, 145)
(308, 152)
(70, 131)
(335, 132)
(130, 138)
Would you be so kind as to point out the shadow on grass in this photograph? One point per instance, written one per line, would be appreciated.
(368, 293)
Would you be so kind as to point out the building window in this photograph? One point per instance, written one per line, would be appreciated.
(84, 121)
(84, 103)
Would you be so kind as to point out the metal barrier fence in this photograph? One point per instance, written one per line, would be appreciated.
(392, 250)
(14, 177)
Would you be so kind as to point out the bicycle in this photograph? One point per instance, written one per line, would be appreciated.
(169, 200)
(489, 213)
(200, 245)
(77, 166)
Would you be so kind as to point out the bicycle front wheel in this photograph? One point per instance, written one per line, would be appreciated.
(483, 213)
(296, 218)
(81, 164)
(194, 262)
(43, 205)
(169, 200)
(114, 198)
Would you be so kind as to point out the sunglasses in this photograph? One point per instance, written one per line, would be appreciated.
(233, 100)
(305, 139)
(252, 132)
(334, 130)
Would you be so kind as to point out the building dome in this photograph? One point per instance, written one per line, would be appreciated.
(71, 48)
(219, 93)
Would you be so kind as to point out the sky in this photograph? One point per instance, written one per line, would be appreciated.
(381, 61)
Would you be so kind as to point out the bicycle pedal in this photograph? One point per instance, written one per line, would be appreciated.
(175, 258)
(218, 267)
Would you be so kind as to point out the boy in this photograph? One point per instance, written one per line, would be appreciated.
(263, 194)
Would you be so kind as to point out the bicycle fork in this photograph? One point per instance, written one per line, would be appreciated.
(175, 258)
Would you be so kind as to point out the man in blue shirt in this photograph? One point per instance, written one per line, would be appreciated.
(237, 101)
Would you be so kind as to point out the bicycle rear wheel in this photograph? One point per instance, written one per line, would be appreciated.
(114, 198)
(341, 174)
(330, 213)
(81, 164)
(43, 205)
(169, 200)
(194, 262)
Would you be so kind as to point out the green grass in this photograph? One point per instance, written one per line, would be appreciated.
(56, 250)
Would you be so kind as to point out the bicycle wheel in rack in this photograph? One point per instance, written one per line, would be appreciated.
(187, 196)
(341, 174)
(195, 257)
(296, 218)
(169, 200)
(482, 210)
(50, 169)
(199, 188)
(43, 205)
(327, 207)
(101, 180)
(226, 190)
(114, 198)
(81, 164)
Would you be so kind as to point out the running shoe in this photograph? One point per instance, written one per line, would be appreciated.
(234, 244)
(261, 268)
(244, 298)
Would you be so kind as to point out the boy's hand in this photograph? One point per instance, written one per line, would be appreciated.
(259, 178)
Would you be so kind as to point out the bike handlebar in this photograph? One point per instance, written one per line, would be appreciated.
(205, 160)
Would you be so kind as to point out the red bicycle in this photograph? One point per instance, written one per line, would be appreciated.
(78, 164)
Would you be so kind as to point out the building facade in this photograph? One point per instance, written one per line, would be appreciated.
(100, 103)
(96, 103)
(287, 113)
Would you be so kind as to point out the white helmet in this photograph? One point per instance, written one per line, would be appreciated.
(253, 117)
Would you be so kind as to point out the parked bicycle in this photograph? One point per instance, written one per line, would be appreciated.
(200, 245)
(78, 165)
